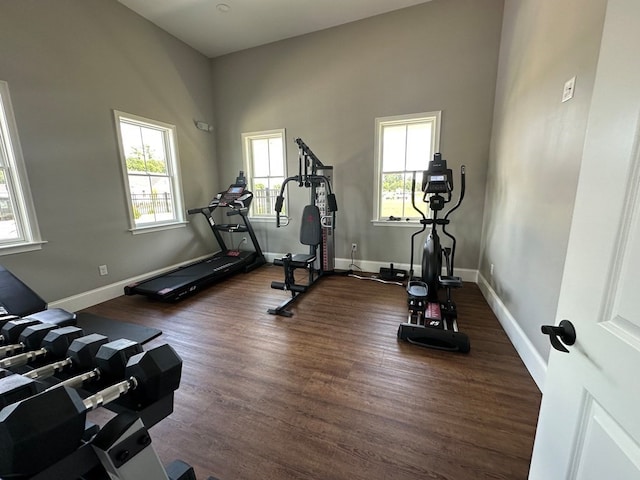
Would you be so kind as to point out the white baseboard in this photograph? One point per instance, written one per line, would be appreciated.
(109, 292)
(532, 359)
(466, 274)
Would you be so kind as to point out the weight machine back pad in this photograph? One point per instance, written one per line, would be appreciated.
(16, 297)
(311, 228)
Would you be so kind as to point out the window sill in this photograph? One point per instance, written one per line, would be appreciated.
(396, 223)
(157, 228)
(21, 248)
(263, 219)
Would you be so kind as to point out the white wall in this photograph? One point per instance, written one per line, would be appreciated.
(536, 149)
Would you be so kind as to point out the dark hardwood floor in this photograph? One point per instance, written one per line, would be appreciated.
(330, 393)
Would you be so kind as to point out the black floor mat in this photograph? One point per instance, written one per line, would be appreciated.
(115, 329)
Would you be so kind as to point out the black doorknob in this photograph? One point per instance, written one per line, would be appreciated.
(566, 333)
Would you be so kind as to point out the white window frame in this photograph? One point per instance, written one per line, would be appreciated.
(435, 118)
(12, 163)
(247, 156)
(173, 165)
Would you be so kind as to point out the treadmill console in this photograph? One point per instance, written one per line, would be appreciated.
(233, 193)
(236, 196)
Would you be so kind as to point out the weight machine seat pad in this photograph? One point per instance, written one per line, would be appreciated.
(310, 227)
(302, 259)
(298, 260)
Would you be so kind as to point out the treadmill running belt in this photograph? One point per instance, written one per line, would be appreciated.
(184, 278)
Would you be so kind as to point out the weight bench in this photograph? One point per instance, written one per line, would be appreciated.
(19, 300)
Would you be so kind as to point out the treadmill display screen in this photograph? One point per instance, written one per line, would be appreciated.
(235, 190)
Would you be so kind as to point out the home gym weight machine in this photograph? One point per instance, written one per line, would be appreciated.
(432, 320)
(316, 229)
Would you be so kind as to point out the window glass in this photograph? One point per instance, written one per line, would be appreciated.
(152, 173)
(18, 224)
(404, 144)
(264, 158)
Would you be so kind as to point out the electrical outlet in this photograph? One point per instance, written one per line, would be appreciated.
(354, 247)
(491, 270)
(244, 240)
(103, 270)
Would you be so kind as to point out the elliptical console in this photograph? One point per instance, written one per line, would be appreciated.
(432, 320)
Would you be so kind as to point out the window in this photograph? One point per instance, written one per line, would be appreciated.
(264, 158)
(18, 226)
(151, 172)
(404, 144)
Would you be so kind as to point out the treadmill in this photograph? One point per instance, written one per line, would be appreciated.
(190, 279)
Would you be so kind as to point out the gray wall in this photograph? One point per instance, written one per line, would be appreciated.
(536, 151)
(68, 64)
(329, 86)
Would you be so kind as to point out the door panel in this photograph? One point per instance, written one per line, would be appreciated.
(603, 438)
(589, 424)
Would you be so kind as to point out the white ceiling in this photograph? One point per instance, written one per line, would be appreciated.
(204, 25)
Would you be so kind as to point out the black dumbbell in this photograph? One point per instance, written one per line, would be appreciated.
(55, 344)
(11, 325)
(81, 355)
(107, 360)
(46, 427)
(12, 329)
(7, 317)
(17, 387)
(30, 338)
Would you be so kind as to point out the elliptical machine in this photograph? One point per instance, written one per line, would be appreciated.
(432, 320)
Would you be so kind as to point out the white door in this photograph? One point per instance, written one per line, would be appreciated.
(589, 425)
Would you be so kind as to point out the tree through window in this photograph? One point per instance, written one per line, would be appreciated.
(151, 172)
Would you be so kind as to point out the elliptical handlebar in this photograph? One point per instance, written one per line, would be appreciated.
(455, 207)
(462, 191)
(413, 200)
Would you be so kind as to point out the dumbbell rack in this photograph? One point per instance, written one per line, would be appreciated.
(85, 461)
(122, 447)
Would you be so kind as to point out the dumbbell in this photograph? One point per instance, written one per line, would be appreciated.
(11, 326)
(30, 338)
(105, 359)
(55, 344)
(11, 329)
(81, 355)
(46, 427)
(6, 317)
(109, 358)
(17, 387)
